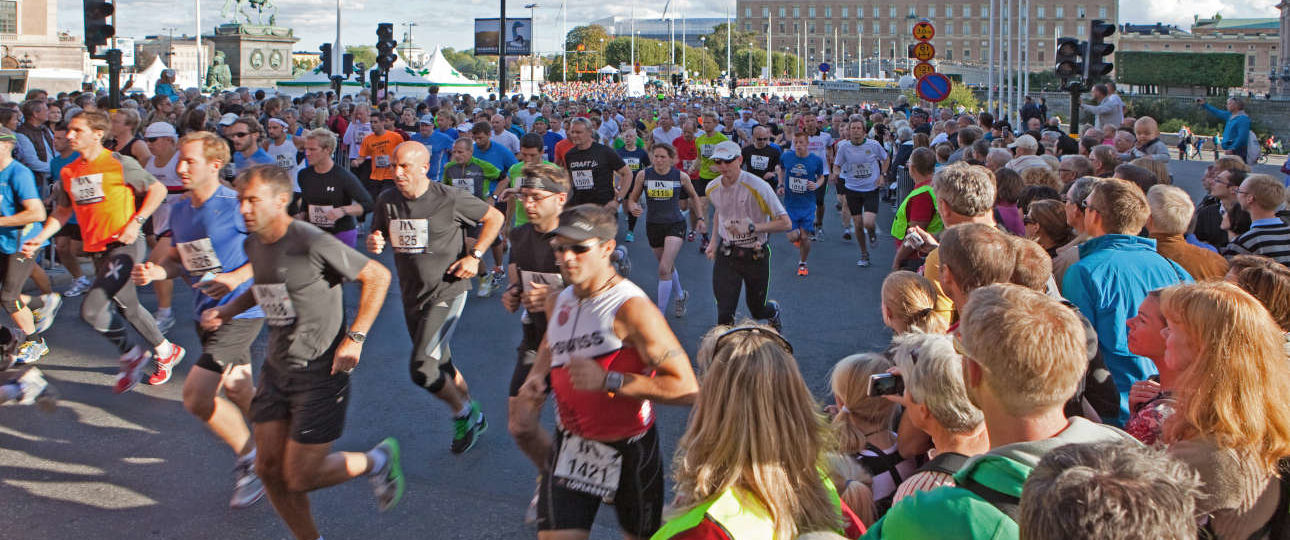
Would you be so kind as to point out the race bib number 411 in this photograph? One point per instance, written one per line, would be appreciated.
(588, 467)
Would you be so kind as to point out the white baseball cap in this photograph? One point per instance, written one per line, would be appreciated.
(228, 119)
(160, 129)
(726, 151)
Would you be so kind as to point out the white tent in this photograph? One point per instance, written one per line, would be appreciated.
(608, 70)
(403, 80)
(146, 80)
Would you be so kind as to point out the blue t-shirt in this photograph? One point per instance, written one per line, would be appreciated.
(56, 165)
(439, 144)
(216, 226)
(260, 157)
(451, 133)
(797, 172)
(549, 140)
(498, 156)
(17, 184)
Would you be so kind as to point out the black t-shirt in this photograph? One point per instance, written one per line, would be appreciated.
(760, 161)
(321, 192)
(591, 172)
(427, 235)
(530, 252)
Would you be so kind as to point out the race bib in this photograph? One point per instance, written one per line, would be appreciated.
(858, 170)
(797, 184)
(706, 150)
(760, 162)
(276, 303)
(409, 235)
(318, 215)
(285, 161)
(198, 256)
(381, 161)
(588, 467)
(687, 164)
(633, 163)
(464, 184)
(659, 189)
(87, 189)
(583, 180)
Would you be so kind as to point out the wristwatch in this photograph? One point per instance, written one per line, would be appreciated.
(356, 337)
(477, 254)
(139, 219)
(613, 381)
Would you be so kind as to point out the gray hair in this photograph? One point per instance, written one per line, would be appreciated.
(933, 374)
(998, 155)
(581, 121)
(968, 190)
(1171, 209)
(1110, 490)
(1080, 189)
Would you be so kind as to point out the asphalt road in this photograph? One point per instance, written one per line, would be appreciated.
(138, 466)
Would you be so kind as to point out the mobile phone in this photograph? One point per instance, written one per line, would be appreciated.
(886, 384)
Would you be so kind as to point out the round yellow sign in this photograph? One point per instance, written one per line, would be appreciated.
(924, 31)
(924, 51)
(923, 68)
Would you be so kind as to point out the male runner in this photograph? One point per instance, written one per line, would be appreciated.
(299, 406)
(245, 134)
(802, 171)
(379, 148)
(205, 248)
(599, 176)
(21, 213)
(162, 138)
(745, 210)
(530, 154)
(479, 178)
(427, 222)
(101, 188)
(821, 144)
(762, 157)
(281, 145)
(861, 163)
(608, 354)
(706, 143)
(534, 275)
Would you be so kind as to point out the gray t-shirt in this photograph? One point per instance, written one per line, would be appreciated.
(298, 284)
(427, 235)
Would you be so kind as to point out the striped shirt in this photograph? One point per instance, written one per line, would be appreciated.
(922, 481)
(1267, 237)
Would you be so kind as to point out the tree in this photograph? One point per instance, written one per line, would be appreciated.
(362, 53)
(716, 44)
(592, 37)
(649, 52)
(466, 63)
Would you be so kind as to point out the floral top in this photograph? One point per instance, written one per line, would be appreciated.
(1147, 420)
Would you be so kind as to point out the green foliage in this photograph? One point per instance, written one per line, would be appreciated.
(1225, 70)
(750, 61)
(649, 52)
(960, 95)
(1045, 81)
(1166, 110)
(474, 67)
(303, 65)
(739, 41)
(362, 53)
(592, 37)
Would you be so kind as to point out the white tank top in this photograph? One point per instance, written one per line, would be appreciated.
(585, 328)
(165, 174)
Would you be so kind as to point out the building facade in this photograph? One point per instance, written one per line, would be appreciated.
(842, 32)
(33, 54)
(689, 29)
(1260, 40)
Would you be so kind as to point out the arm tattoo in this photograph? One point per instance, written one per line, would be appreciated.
(668, 354)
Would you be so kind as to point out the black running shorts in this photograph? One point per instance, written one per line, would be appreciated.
(638, 502)
(312, 403)
(228, 346)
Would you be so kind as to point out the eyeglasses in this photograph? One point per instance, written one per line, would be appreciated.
(577, 249)
(535, 197)
(763, 138)
(238, 135)
(722, 161)
(775, 336)
(1027, 221)
(1240, 191)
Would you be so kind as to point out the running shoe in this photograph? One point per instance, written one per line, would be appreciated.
(466, 430)
(165, 322)
(815, 236)
(247, 487)
(863, 262)
(530, 514)
(499, 279)
(388, 483)
(775, 321)
(79, 287)
(801, 270)
(622, 262)
(44, 317)
(680, 304)
(846, 233)
(689, 237)
(166, 366)
(35, 390)
(31, 351)
(132, 364)
(873, 236)
(629, 237)
(485, 286)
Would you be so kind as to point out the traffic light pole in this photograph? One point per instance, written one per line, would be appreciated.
(501, 53)
(113, 57)
(1076, 91)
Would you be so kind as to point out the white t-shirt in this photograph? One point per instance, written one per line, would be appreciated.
(283, 154)
(860, 165)
(819, 145)
(507, 140)
(668, 136)
(748, 198)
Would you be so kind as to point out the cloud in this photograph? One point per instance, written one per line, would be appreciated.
(1181, 12)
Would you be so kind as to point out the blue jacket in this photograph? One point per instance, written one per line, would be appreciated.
(1114, 274)
(1236, 128)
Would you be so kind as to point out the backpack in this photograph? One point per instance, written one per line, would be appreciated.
(945, 463)
(879, 464)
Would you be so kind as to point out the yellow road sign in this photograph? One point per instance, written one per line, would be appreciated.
(924, 51)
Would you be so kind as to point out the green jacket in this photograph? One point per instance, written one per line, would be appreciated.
(949, 513)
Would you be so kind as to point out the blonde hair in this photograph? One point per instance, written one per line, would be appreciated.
(1041, 176)
(1270, 284)
(1265, 191)
(854, 485)
(913, 300)
(324, 137)
(1171, 209)
(756, 428)
(860, 413)
(1029, 346)
(1122, 205)
(213, 147)
(1237, 390)
(1158, 168)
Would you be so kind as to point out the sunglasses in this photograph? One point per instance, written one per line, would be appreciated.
(577, 249)
(239, 135)
(154, 139)
(722, 161)
(763, 138)
(775, 336)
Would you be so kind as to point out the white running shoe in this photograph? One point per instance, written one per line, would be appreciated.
(79, 287)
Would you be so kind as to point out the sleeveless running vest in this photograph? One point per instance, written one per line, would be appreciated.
(900, 223)
(662, 196)
(744, 521)
(585, 329)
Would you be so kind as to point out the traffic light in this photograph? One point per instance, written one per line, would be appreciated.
(97, 28)
(325, 58)
(385, 46)
(375, 77)
(346, 65)
(1095, 60)
(1070, 58)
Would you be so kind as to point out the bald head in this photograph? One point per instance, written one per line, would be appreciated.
(411, 164)
(412, 151)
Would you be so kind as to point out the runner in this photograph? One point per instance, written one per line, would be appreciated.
(687, 159)
(762, 157)
(300, 403)
(21, 209)
(534, 275)
(331, 198)
(438, 142)
(280, 144)
(663, 185)
(802, 172)
(102, 188)
(207, 236)
(861, 162)
(745, 210)
(609, 355)
(67, 243)
(530, 154)
(598, 174)
(821, 144)
(634, 156)
(706, 143)
(427, 223)
(476, 177)
(161, 138)
(378, 148)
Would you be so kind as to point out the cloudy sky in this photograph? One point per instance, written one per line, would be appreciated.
(449, 22)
